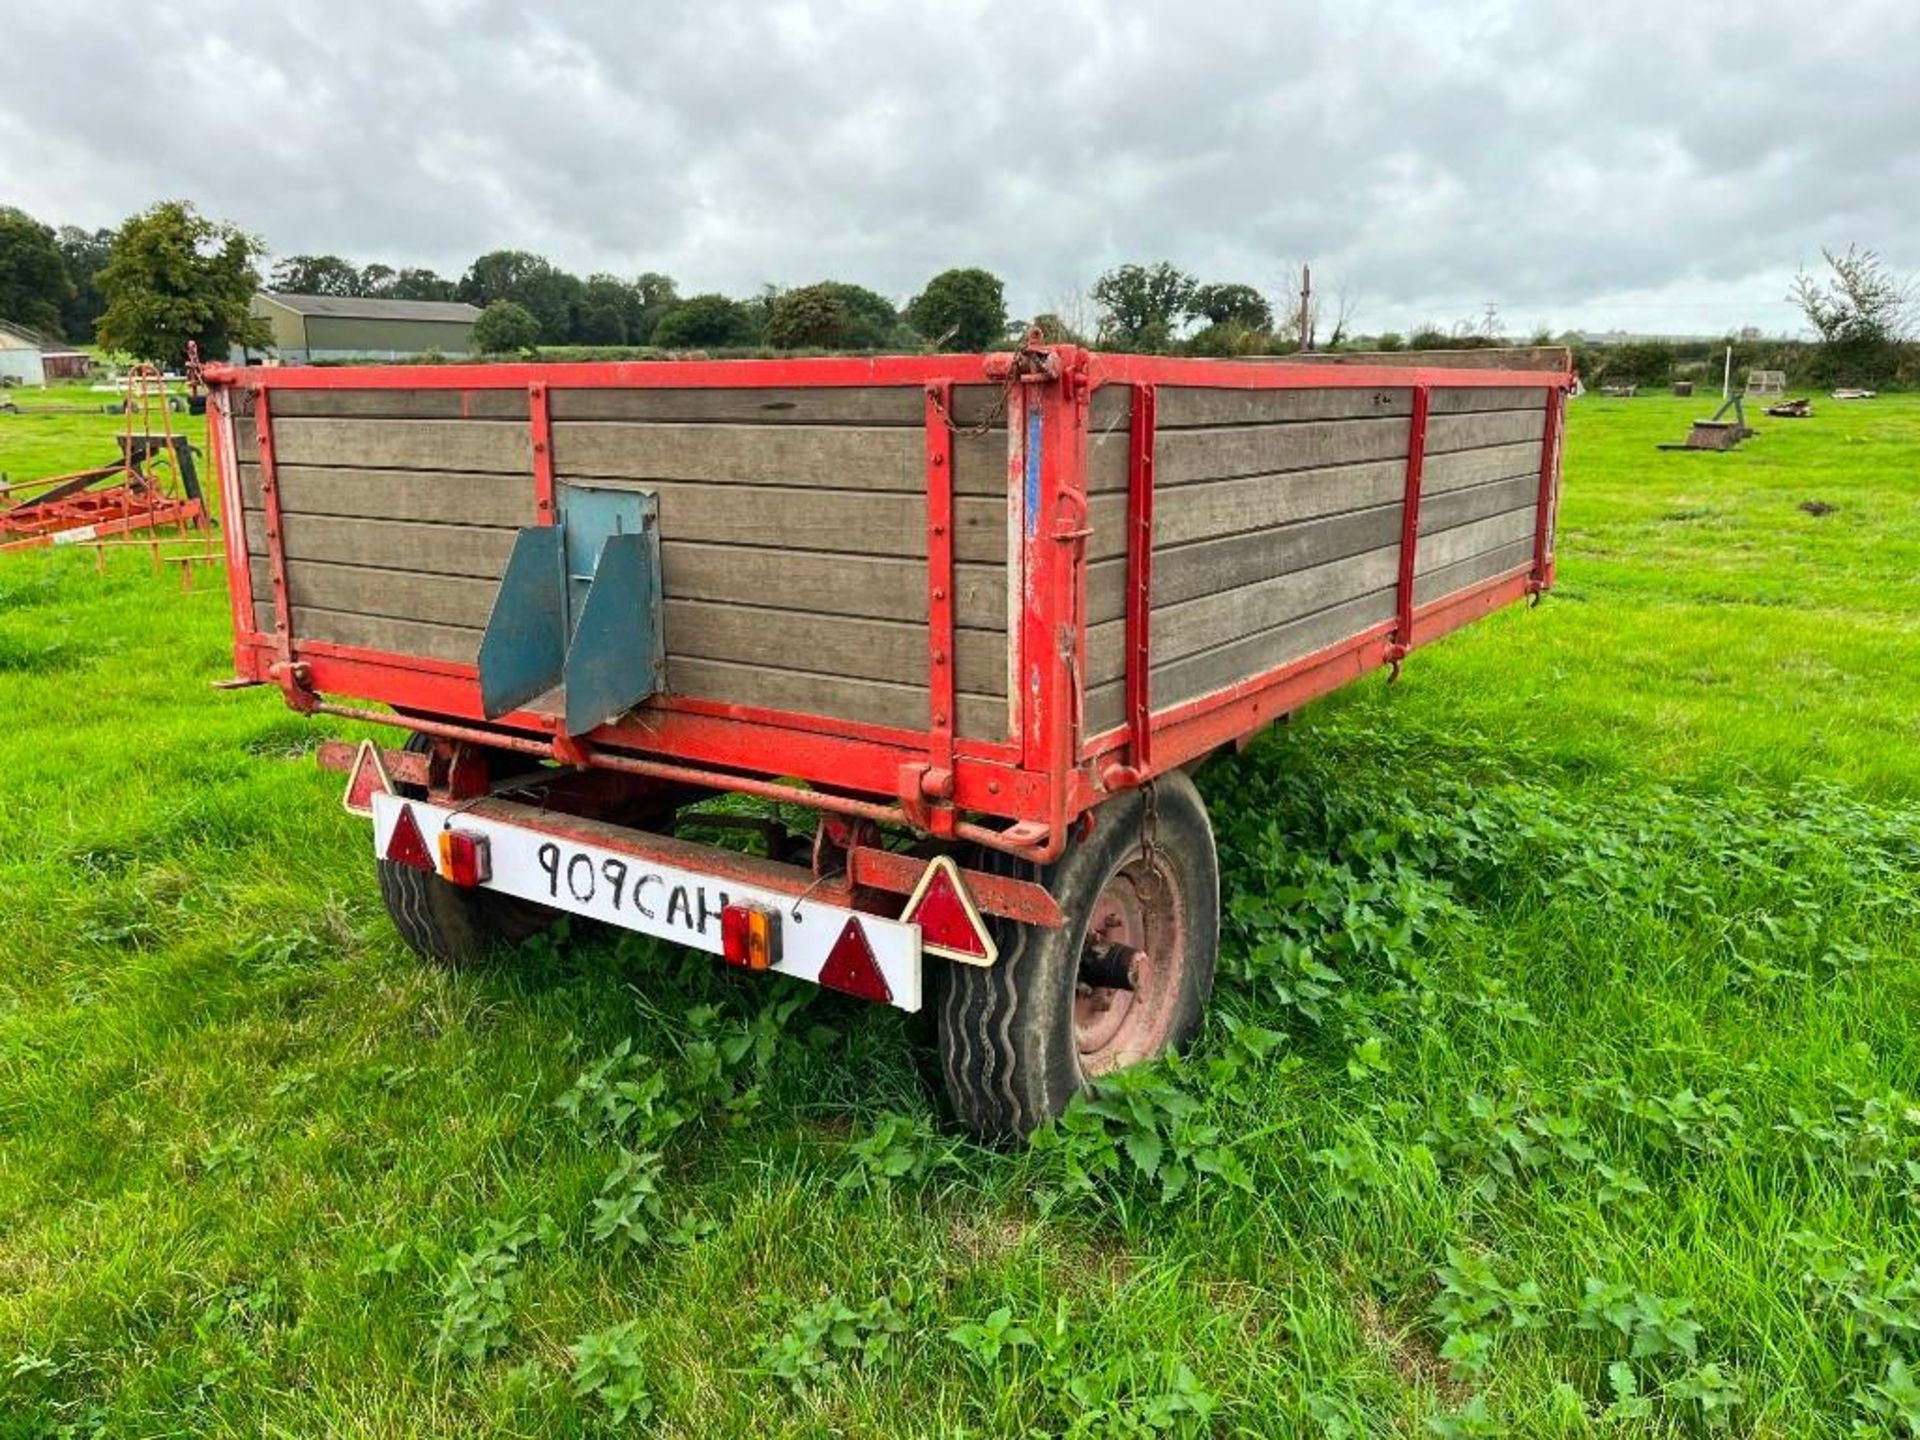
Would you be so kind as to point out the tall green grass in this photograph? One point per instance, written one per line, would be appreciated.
(1561, 1078)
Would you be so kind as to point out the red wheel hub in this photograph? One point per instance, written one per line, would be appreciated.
(1140, 908)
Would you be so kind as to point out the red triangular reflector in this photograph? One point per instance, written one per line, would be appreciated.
(367, 779)
(949, 921)
(851, 967)
(407, 846)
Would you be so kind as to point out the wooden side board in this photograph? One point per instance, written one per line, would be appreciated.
(793, 528)
(1277, 520)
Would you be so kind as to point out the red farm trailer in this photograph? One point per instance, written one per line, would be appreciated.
(974, 616)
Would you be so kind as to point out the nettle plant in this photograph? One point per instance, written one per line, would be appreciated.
(1870, 1305)
(478, 1290)
(823, 1338)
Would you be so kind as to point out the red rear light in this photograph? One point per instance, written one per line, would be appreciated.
(750, 936)
(465, 858)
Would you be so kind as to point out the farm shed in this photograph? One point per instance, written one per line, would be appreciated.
(312, 328)
(32, 357)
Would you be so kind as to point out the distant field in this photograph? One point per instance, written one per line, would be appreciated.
(1562, 1080)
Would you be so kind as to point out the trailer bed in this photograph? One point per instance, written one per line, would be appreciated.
(970, 594)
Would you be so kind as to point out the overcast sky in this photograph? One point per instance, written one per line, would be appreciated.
(1640, 166)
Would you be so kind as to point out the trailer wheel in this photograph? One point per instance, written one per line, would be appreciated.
(442, 922)
(1126, 979)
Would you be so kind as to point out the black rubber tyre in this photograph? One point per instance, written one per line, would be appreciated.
(442, 922)
(1018, 1040)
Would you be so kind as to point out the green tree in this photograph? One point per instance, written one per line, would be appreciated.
(961, 310)
(1861, 311)
(505, 328)
(1230, 304)
(33, 274)
(316, 275)
(1228, 337)
(531, 282)
(701, 321)
(832, 315)
(1140, 305)
(657, 295)
(86, 254)
(175, 276)
(415, 284)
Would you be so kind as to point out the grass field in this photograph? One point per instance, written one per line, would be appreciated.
(1561, 1080)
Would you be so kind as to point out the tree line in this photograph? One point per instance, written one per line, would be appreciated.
(170, 275)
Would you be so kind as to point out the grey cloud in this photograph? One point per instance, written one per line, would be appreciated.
(1637, 165)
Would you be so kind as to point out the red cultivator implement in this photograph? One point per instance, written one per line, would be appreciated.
(152, 486)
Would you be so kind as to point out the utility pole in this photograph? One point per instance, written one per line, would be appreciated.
(1306, 308)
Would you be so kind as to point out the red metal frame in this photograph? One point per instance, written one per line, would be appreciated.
(540, 424)
(936, 784)
(270, 515)
(1046, 773)
(1549, 494)
(1142, 425)
(1410, 524)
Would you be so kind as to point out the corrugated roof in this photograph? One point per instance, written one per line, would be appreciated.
(348, 308)
(25, 337)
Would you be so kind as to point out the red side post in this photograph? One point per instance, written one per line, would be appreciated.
(270, 514)
(540, 423)
(940, 663)
(1402, 640)
(1542, 578)
(1142, 424)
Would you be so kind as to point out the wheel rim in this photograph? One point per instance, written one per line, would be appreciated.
(1140, 906)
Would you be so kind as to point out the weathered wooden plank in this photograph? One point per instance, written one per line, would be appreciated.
(400, 404)
(882, 589)
(441, 496)
(1462, 573)
(462, 600)
(1261, 502)
(1210, 670)
(1443, 401)
(1485, 427)
(1458, 507)
(1106, 590)
(1232, 561)
(379, 632)
(1228, 615)
(1180, 407)
(389, 544)
(1224, 452)
(246, 440)
(494, 446)
(902, 405)
(876, 587)
(1106, 652)
(870, 701)
(1463, 541)
(1476, 467)
(838, 456)
(833, 645)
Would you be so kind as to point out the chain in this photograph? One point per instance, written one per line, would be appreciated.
(996, 412)
(1149, 833)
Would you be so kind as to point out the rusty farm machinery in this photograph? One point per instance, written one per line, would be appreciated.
(149, 496)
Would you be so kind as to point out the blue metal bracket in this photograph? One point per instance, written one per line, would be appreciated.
(579, 606)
